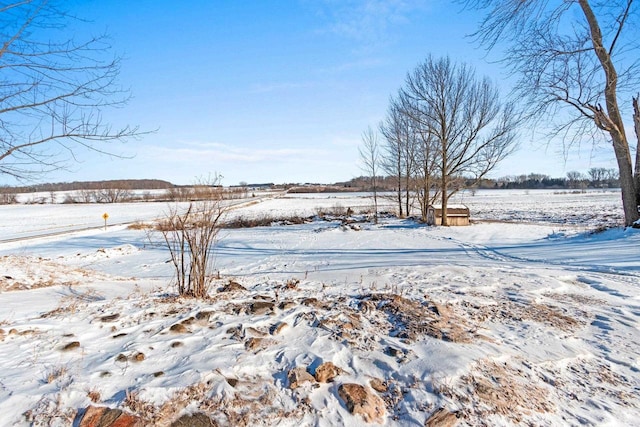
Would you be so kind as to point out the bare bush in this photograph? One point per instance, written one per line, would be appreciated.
(179, 194)
(87, 196)
(191, 237)
(264, 221)
(70, 200)
(112, 195)
(8, 198)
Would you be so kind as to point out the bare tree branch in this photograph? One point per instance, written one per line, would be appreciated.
(582, 54)
(54, 90)
(370, 157)
(464, 118)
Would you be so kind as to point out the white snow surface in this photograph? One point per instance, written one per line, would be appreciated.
(526, 316)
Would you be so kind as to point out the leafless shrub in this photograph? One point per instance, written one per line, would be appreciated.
(70, 199)
(208, 189)
(338, 210)
(36, 201)
(87, 196)
(264, 221)
(8, 198)
(139, 225)
(191, 237)
(112, 195)
(179, 194)
(244, 222)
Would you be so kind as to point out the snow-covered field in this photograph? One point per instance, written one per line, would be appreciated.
(524, 317)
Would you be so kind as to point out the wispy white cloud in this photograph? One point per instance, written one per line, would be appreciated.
(363, 64)
(198, 152)
(368, 22)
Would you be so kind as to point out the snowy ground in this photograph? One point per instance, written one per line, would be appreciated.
(500, 323)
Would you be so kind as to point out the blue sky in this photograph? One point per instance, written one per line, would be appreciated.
(275, 91)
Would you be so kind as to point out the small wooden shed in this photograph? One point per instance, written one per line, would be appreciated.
(456, 215)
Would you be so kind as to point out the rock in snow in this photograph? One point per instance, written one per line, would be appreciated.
(326, 372)
(298, 376)
(442, 418)
(362, 401)
(100, 416)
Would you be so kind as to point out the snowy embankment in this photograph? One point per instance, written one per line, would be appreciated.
(492, 324)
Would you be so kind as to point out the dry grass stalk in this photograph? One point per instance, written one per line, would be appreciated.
(94, 395)
(412, 319)
(496, 388)
(139, 225)
(55, 374)
(49, 412)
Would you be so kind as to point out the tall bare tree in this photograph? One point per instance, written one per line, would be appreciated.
(463, 114)
(597, 175)
(394, 131)
(575, 179)
(54, 89)
(577, 59)
(636, 126)
(370, 157)
(401, 153)
(427, 190)
(409, 157)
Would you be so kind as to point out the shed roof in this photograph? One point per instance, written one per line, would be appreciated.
(452, 210)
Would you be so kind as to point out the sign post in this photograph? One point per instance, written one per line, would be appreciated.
(105, 216)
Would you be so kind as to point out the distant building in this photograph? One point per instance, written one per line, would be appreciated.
(456, 215)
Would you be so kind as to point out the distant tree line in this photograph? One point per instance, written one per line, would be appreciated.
(593, 178)
(118, 191)
(138, 184)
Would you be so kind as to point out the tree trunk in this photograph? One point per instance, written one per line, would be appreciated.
(636, 125)
(400, 213)
(614, 124)
(443, 185)
(375, 200)
(444, 221)
(425, 197)
(407, 194)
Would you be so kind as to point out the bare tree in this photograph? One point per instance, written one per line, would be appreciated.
(54, 89)
(409, 156)
(576, 60)
(190, 235)
(112, 195)
(427, 190)
(392, 129)
(472, 129)
(421, 156)
(575, 179)
(370, 156)
(179, 194)
(636, 126)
